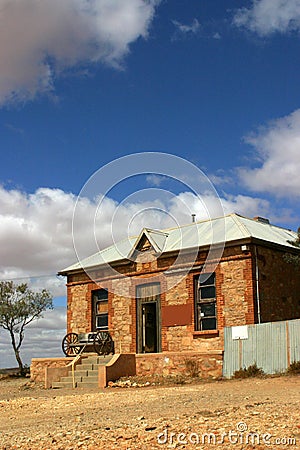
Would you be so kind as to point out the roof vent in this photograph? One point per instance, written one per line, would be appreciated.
(262, 220)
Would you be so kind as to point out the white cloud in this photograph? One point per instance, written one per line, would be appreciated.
(217, 36)
(209, 207)
(155, 180)
(39, 39)
(247, 206)
(269, 16)
(193, 28)
(42, 339)
(35, 231)
(277, 148)
(36, 236)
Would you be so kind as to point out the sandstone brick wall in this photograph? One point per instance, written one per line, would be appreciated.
(208, 365)
(79, 304)
(279, 286)
(234, 291)
(177, 292)
(236, 302)
(38, 365)
(121, 320)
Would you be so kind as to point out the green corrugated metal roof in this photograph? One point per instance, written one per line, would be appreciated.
(232, 227)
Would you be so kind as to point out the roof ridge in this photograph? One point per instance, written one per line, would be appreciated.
(241, 225)
(153, 230)
(197, 222)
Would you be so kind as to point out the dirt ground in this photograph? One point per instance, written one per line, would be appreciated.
(253, 413)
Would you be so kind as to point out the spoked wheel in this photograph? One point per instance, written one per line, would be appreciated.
(103, 343)
(69, 346)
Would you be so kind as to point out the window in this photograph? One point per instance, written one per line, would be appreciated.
(205, 303)
(100, 309)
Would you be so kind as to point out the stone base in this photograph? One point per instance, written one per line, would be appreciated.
(50, 370)
(205, 365)
(39, 365)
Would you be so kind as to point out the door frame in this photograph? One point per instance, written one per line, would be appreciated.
(139, 323)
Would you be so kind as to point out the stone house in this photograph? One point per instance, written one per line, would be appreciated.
(166, 296)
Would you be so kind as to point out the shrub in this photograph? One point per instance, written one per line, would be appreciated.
(294, 368)
(251, 371)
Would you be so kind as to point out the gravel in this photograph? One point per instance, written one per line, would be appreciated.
(204, 415)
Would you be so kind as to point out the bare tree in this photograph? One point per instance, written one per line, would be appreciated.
(19, 306)
(291, 258)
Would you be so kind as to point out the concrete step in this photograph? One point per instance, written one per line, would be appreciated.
(93, 378)
(100, 360)
(85, 366)
(69, 379)
(84, 383)
(79, 372)
(87, 384)
(91, 375)
(61, 385)
(92, 364)
(86, 372)
(90, 360)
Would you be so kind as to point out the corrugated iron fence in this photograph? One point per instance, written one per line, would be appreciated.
(272, 346)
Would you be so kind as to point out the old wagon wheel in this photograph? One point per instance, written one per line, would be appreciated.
(69, 346)
(103, 343)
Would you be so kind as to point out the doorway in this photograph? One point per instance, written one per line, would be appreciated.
(148, 318)
(149, 338)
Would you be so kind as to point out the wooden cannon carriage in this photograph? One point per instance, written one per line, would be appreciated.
(100, 341)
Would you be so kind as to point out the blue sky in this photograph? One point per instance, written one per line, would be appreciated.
(87, 82)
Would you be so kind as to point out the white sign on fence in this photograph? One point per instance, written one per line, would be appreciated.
(240, 332)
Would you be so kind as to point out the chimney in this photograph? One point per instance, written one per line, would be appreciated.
(261, 220)
(193, 218)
